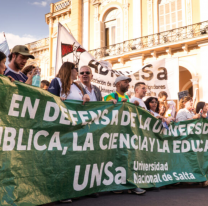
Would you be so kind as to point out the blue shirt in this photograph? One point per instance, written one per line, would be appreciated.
(54, 87)
(19, 76)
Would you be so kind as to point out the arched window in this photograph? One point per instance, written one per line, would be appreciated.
(112, 27)
(170, 14)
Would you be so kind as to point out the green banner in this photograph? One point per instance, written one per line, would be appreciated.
(52, 150)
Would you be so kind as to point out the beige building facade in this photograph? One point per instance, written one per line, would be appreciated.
(127, 32)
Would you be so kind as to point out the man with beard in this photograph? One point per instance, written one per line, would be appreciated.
(18, 58)
(122, 86)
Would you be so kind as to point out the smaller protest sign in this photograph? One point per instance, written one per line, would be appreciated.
(183, 94)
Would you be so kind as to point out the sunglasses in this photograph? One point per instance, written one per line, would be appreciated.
(82, 73)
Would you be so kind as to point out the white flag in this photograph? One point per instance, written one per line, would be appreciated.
(160, 75)
(68, 49)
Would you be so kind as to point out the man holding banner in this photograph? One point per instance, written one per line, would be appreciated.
(140, 90)
(18, 59)
(122, 85)
(85, 76)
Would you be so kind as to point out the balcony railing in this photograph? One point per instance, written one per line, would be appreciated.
(38, 44)
(62, 5)
(162, 38)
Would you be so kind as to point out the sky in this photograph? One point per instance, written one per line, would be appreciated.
(23, 21)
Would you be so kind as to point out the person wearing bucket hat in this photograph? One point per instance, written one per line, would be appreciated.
(122, 85)
(18, 59)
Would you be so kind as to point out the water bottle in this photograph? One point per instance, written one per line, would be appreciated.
(36, 79)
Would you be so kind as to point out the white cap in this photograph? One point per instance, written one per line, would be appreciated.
(121, 78)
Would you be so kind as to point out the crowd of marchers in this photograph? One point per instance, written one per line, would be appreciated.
(66, 86)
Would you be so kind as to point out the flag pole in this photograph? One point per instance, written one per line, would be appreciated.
(4, 35)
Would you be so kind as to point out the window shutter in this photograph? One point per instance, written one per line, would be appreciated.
(118, 32)
(99, 34)
(102, 34)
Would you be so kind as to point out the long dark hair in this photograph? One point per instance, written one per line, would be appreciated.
(148, 100)
(65, 76)
(200, 105)
(2, 56)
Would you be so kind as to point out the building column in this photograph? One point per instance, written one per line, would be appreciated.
(150, 16)
(50, 42)
(85, 30)
(97, 26)
(203, 70)
(195, 83)
(76, 20)
(126, 20)
(137, 19)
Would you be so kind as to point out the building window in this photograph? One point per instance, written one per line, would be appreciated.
(112, 27)
(110, 33)
(170, 14)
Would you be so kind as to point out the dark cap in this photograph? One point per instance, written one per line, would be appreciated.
(21, 49)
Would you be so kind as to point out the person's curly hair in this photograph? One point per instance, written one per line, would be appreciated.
(184, 100)
(148, 100)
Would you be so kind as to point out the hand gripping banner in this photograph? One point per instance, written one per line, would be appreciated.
(52, 150)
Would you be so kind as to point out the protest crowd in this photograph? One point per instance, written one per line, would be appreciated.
(66, 86)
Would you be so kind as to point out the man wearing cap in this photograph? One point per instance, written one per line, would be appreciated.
(122, 86)
(18, 58)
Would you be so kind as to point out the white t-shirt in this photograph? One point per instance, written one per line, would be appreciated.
(183, 115)
(141, 103)
(74, 94)
(91, 94)
(155, 113)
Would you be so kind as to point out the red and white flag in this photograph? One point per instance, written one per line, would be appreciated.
(68, 49)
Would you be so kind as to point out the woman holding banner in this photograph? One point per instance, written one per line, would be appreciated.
(152, 105)
(65, 87)
(185, 112)
(201, 108)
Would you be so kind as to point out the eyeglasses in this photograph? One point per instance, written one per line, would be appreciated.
(82, 73)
